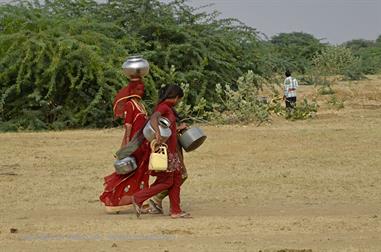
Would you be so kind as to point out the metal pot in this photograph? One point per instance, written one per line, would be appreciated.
(135, 66)
(165, 131)
(192, 138)
(125, 165)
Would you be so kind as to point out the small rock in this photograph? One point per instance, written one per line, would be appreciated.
(13, 230)
(374, 216)
(114, 245)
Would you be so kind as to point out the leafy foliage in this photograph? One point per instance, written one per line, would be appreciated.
(369, 54)
(303, 110)
(60, 61)
(295, 50)
(56, 73)
(242, 104)
(332, 62)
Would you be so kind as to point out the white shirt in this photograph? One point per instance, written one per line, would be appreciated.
(290, 86)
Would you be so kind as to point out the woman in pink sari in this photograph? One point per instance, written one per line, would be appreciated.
(119, 188)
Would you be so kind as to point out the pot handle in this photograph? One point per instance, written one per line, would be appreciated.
(180, 132)
(155, 146)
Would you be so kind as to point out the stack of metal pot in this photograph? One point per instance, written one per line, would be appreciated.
(165, 131)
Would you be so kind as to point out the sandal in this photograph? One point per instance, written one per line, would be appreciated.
(182, 215)
(137, 208)
(155, 208)
(145, 209)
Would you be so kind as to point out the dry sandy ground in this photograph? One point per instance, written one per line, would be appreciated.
(310, 185)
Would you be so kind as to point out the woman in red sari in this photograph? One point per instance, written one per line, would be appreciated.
(170, 179)
(119, 188)
(128, 105)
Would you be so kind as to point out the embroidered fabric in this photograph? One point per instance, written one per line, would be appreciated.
(174, 162)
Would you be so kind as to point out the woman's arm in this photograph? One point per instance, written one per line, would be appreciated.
(155, 125)
(181, 127)
(129, 113)
(127, 132)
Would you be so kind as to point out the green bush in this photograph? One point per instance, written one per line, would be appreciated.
(369, 55)
(241, 104)
(302, 110)
(60, 60)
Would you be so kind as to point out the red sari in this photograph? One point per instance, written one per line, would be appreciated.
(171, 179)
(119, 188)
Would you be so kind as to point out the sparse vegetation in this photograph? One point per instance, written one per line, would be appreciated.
(60, 61)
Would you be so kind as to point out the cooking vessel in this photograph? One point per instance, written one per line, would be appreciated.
(135, 66)
(165, 131)
(191, 138)
(125, 165)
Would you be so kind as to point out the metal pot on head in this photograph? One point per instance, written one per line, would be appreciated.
(165, 131)
(192, 138)
(135, 66)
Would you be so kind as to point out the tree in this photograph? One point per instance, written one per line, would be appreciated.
(60, 60)
(368, 52)
(331, 62)
(296, 50)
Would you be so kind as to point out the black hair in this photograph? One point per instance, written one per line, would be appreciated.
(287, 73)
(168, 92)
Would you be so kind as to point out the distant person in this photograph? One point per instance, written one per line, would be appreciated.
(290, 86)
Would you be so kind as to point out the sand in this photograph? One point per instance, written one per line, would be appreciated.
(311, 185)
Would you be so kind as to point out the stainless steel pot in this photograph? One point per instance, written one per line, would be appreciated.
(165, 131)
(135, 66)
(192, 138)
(125, 165)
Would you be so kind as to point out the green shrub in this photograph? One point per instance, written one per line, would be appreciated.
(60, 60)
(241, 104)
(302, 110)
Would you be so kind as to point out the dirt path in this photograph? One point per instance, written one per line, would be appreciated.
(310, 185)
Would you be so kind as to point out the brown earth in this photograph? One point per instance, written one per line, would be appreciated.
(311, 185)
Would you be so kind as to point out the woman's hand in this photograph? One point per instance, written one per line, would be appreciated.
(182, 126)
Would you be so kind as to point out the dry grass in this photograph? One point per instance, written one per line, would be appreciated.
(309, 185)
